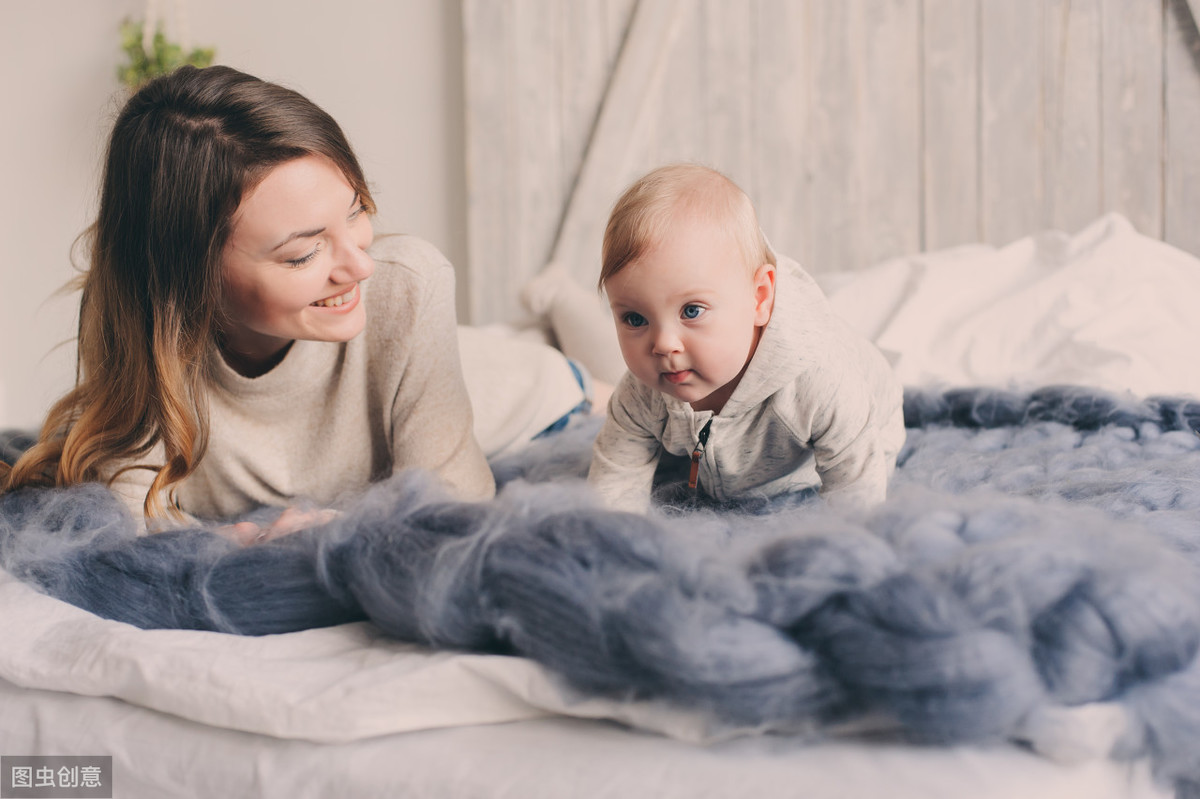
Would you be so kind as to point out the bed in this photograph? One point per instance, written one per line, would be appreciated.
(1020, 618)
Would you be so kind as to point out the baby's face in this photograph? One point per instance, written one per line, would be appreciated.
(688, 314)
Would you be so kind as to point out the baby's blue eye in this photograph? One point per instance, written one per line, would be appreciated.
(692, 311)
(634, 319)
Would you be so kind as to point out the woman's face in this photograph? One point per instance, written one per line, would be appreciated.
(293, 263)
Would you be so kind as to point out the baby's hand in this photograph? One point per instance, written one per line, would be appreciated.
(292, 520)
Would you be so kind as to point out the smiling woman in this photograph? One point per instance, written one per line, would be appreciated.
(231, 352)
(282, 286)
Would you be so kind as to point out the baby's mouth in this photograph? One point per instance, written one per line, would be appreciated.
(339, 300)
(677, 377)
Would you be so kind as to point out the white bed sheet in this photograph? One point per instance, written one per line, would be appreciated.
(163, 756)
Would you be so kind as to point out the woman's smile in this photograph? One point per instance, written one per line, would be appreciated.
(343, 301)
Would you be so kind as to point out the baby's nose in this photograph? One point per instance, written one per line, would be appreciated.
(666, 341)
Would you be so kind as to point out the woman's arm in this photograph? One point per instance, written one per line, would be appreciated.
(432, 421)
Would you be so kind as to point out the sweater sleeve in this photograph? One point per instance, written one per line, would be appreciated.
(626, 451)
(132, 485)
(856, 437)
(432, 422)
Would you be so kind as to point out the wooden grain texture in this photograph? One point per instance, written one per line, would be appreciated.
(835, 127)
(592, 43)
(783, 152)
(1182, 159)
(588, 56)
(492, 220)
(1132, 118)
(728, 96)
(862, 129)
(614, 145)
(1072, 47)
(890, 138)
(950, 130)
(540, 172)
(1011, 119)
(537, 71)
(677, 130)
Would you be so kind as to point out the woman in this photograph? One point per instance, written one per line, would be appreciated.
(230, 353)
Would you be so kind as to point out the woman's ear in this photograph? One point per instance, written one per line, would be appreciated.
(764, 294)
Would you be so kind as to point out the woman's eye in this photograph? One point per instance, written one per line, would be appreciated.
(359, 211)
(692, 311)
(298, 262)
(634, 319)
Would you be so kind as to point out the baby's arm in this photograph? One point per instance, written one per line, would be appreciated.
(626, 451)
(857, 433)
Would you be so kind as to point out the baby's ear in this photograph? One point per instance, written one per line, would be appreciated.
(764, 294)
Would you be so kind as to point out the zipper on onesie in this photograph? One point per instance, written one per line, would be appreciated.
(697, 454)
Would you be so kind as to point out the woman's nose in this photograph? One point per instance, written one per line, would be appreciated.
(353, 263)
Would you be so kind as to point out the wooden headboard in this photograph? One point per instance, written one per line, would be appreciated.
(862, 129)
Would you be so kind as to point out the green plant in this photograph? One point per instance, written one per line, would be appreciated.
(163, 56)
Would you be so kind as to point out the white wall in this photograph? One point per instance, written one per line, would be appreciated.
(388, 70)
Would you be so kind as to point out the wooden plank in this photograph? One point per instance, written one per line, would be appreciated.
(491, 152)
(618, 14)
(1011, 123)
(951, 136)
(678, 129)
(728, 95)
(592, 41)
(783, 102)
(1182, 195)
(836, 130)
(541, 185)
(1132, 75)
(891, 129)
(593, 36)
(1073, 111)
(585, 62)
(632, 92)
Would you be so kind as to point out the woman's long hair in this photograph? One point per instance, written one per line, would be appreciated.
(185, 150)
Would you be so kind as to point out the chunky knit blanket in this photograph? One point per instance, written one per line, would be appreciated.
(1034, 575)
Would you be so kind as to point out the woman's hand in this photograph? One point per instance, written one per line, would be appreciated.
(292, 520)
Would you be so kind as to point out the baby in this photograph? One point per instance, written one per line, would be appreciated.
(735, 358)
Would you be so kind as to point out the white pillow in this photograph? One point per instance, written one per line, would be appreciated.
(1108, 308)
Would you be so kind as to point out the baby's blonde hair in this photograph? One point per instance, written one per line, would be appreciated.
(641, 217)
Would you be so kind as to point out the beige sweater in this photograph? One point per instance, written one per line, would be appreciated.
(333, 417)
